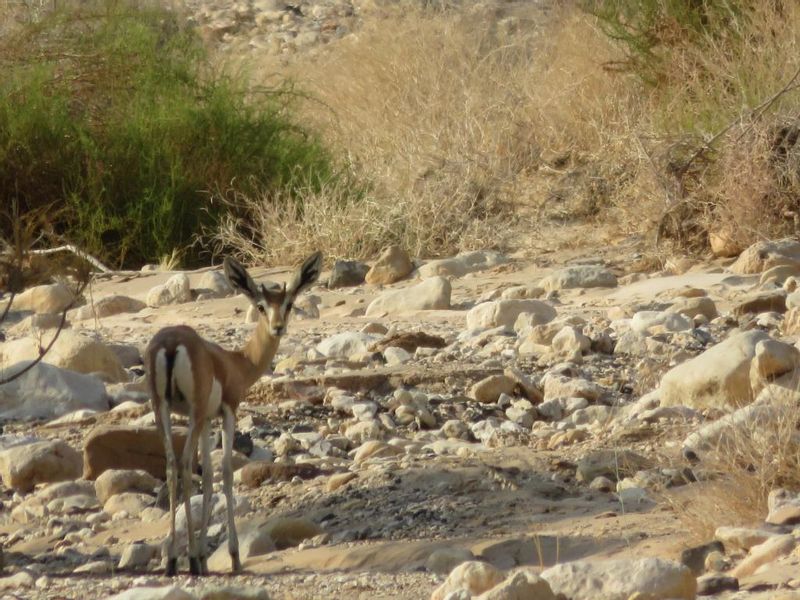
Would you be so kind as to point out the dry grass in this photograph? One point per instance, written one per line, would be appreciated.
(745, 187)
(518, 126)
(342, 224)
(509, 127)
(751, 459)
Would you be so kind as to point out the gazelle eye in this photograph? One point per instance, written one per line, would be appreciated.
(261, 308)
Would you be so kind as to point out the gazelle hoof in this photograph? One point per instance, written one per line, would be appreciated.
(236, 564)
(194, 566)
(172, 567)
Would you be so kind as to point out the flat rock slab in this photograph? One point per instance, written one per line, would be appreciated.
(47, 391)
(582, 276)
(654, 578)
(125, 447)
(460, 265)
(718, 378)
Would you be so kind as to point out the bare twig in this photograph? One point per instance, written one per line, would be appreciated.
(44, 350)
(77, 252)
(754, 114)
(8, 307)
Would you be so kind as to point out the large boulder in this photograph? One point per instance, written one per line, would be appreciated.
(215, 282)
(694, 306)
(645, 320)
(431, 294)
(505, 312)
(108, 306)
(653, 578)
(473, 576)
(132, 503)
(51, 298)
(175, 291)
(118, 481)
(718, 378)
(765, 255)
(581, 276)
(346, 343)
(489, 389)
(347, 273)
(460, 265)
(127, 447)
(522, 584)
(47, 392)
(23, 466)
(72, 350)
(252, 542)
(774, 360)
(769, 301)
(392, 265)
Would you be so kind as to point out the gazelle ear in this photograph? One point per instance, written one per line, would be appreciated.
(307, 274)
(239, 278)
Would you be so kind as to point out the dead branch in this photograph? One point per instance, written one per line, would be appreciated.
(44, 350)
(77, 252)
(7, 309)
(754, 114)
(675, 201)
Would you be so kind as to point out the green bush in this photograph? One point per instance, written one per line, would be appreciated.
(111, 115)
(648, 29)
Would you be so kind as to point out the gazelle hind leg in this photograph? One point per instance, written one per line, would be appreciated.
(165, 427)
(208, 477)
(227, 484)
(189, 451)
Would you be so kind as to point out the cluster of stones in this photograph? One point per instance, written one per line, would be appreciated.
(274, 27)
(541, 375)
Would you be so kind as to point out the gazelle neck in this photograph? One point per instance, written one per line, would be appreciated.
(259, 351)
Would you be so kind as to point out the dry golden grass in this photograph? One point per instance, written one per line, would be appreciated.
(463, 126)
(751, 459)
(740, 188)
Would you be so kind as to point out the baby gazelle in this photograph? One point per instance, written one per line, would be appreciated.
(191, 376)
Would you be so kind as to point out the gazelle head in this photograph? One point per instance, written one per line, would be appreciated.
(273, 303)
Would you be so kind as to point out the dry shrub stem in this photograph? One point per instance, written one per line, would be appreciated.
(749, 461)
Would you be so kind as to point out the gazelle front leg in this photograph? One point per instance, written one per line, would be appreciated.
(227, 484)
(165, 427)
(186, 473)
(205, 449)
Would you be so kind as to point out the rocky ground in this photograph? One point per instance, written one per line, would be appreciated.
(550, 425)
(549, 422)
(276, 30)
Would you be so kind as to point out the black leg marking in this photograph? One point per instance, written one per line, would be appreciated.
(172, 567)
(194, 565)
(236, 564)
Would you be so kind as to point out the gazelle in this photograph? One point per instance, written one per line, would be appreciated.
(191, 376)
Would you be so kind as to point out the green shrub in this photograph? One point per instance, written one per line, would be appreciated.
(649, 29)
(111, 115)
